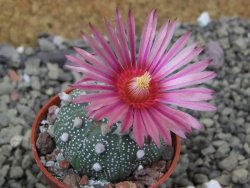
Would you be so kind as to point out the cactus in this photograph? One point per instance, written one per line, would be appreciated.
(94, 150)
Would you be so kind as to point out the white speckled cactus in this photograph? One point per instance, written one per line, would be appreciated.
(95, 151)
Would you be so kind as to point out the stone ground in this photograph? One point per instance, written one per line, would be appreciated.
(21, 20)
(30, 76)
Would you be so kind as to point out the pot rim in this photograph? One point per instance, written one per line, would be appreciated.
(53, 180)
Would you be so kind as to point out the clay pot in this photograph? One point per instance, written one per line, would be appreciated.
(55, 183)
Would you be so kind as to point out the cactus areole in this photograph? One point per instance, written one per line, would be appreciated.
(96, 152)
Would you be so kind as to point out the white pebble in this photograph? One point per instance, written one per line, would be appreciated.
(211, 184)
(42, 129)
(60, 157)
(65, 98)
(204, 19)
(140, 154)
(42, 159)
(77, 122)
(140, 167)
(20, 49)
(97, 167)
(99, 148)
(16, 141)
(57, 111)
(44, 122)
(50, 163)
(26, 78)
(51, 130)
(65, 137)
(105, 129)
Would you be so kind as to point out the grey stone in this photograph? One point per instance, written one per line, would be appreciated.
(16, 172)
(16, 140)
(239, 30)
(207, 151)
(5, 150)
(7, 133)
(14, 184)
(6, 87)
(228, 163)
(240, 176)
(26, 140)
(222, 32)
(35, 83)
(2, 160)
(30, 177)
(4, 120)
(39, 185)
(227, 111)
(4, 170)
(53, 71)
(26, 162)
(207, 122)
(224, 179)
(2, 181)
(10, 54)
(182, 180)
(32, 66)
(223, 150)
(240, 43)
(46, 45)
(200, 178)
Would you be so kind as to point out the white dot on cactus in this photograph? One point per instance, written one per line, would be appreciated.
(77, 122)
(140, 154)
(97, 167)
(65, 137)
(99, 148)
(140, 167)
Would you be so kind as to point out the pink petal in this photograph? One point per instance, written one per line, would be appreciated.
(138, 129)
(131, 36)
(187, 119)
(184, 57)
(93, 97)
(177, 46)
(191, 94)
(188, 80)
(99, 103)
(151, 127)
(168, 112)
(86, 68)
(192, 68)
(165, 43)
(99, 51)
(92, 87)
(115, 44)
(145, 37)
(90, 58)
(163, 130)
(105, 46)
(127, 120)
(121, 35)
(201, 106)
(166, 122)
(150, 41)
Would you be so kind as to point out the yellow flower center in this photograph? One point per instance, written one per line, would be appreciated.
(143, 81)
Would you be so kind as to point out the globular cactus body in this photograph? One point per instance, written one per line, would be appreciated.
(93, 152)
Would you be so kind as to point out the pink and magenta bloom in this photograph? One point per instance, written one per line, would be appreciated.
(140, 89)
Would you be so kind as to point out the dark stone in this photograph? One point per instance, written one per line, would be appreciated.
(45, 143)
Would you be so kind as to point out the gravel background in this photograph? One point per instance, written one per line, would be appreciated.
(29, 76)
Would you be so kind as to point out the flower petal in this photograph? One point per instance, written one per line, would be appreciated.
(131, 36)
(188, 80)
(138, 128)
(151, 127)
(127, 120)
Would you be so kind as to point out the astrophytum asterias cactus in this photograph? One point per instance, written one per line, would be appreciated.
(97, 151)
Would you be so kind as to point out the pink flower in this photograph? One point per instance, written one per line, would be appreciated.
(138, 90)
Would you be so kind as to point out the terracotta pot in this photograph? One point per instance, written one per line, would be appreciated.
(55, 183)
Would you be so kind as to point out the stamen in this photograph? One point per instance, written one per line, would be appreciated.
(143, 81)
(139, 87)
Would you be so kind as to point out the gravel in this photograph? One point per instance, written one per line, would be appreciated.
(220, 152)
